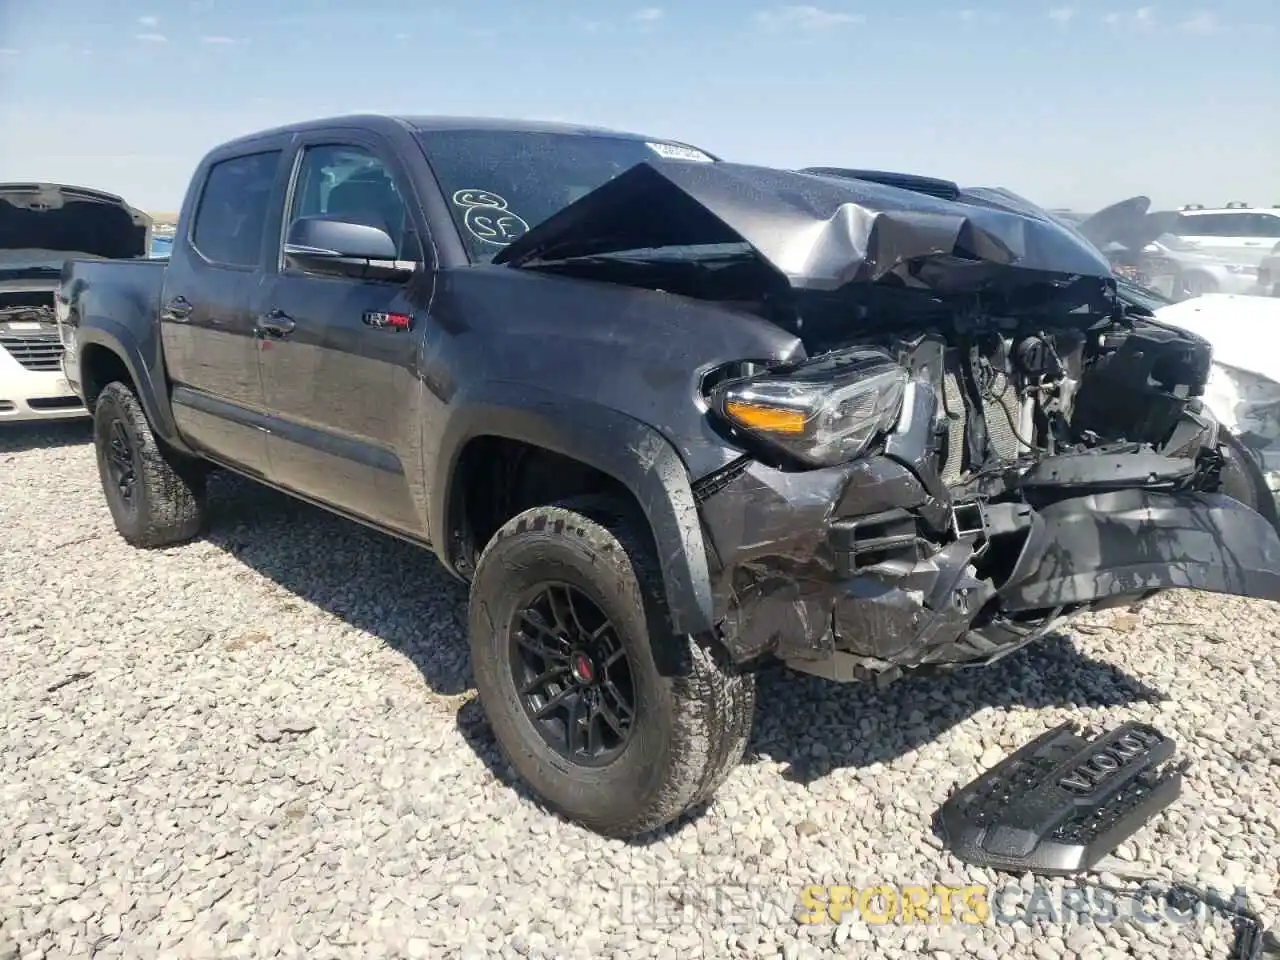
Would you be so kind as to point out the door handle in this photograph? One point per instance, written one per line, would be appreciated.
(277, 323)
(179, 308)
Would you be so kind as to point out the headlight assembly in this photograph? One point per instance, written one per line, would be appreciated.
(824, 412)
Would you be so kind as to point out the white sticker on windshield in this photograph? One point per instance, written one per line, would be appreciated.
(488, 219)
(678, 151)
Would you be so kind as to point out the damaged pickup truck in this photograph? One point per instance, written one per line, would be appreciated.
(668, 415)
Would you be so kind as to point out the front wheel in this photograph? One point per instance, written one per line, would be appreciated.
(1243, 479)
(613, 720)
(154, 500)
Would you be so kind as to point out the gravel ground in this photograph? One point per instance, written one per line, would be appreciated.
(263, 743)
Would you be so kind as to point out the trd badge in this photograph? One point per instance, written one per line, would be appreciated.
(391, 321)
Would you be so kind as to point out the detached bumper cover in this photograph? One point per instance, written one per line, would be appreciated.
(1131, 542)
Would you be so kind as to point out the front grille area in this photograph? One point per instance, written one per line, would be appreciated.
(40, 350)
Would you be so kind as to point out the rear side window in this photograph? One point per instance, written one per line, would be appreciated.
(233, 209)
(1265, 225)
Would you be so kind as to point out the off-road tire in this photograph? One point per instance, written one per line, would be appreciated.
(694, 709)
(168, 504)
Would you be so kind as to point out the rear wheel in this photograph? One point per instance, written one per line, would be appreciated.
(612, 720)
(155, 499)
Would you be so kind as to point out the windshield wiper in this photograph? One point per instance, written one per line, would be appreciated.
(647, 256)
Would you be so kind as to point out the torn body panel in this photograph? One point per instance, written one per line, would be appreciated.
(841, 562)
(984, 519)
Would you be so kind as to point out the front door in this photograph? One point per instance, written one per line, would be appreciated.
(339, 356)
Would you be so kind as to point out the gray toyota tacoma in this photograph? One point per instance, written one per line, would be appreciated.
(668, 415)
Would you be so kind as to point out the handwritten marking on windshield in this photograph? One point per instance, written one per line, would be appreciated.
(488, 219)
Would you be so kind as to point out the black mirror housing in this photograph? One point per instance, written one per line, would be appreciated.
(331, 245)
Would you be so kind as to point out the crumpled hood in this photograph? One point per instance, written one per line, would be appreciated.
(817, 232)
(65, 219)
(1128, 224)
(1243, 331)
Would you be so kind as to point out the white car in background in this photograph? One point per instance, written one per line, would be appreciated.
(1145, 246)
(42, 225)
(1236, 232)
(1243, 392)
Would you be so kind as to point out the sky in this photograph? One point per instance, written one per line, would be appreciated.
(1071, 103)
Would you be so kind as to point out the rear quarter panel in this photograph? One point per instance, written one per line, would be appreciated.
(111, 307)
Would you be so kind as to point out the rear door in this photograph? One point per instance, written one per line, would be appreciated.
(1264, 235)
(212, 286)
(339, 356)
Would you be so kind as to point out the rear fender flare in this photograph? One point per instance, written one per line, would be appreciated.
(629, 451)
(103, 332)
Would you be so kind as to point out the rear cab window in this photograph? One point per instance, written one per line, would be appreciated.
(233, 209)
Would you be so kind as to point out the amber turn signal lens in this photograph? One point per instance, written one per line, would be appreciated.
(770, 419)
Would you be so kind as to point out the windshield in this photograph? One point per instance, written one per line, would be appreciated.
(500, 184)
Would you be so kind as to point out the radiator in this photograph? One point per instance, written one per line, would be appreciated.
(1004, 441)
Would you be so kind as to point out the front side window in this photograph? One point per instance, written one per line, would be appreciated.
(232, 212)
(352, 184)
(1201, 225)
(499, 184)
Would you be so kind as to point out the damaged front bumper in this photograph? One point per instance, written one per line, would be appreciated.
(858, 570)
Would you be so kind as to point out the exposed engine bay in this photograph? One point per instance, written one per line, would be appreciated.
(1053, 408)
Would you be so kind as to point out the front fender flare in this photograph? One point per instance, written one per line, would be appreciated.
(629, 451)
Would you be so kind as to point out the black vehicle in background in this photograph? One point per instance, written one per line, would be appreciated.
(668, 415)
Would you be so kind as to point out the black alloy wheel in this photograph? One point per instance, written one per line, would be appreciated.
(122, 463)
(572, 674)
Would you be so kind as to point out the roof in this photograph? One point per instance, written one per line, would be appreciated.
(1193, 209)
(428, 123)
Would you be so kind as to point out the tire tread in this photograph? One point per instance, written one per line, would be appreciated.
(172, 509)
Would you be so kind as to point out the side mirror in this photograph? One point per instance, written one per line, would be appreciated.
(342, 248)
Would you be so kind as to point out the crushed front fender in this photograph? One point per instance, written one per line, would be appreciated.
(1133, 542)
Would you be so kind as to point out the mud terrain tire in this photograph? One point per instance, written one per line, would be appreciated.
(692, 711)
(166, 498)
